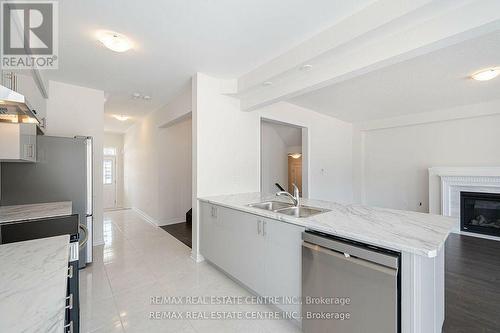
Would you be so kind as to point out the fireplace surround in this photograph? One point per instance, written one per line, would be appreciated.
(446, 185)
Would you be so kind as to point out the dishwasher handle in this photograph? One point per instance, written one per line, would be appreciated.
(362, 252)
(344, 257)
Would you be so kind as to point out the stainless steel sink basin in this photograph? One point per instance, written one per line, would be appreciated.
(288, 209)
(302, 211)
(271, 205)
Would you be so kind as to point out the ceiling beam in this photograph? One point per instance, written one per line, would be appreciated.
(382, 34)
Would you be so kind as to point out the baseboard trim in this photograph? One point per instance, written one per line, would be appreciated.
(174, 220)
(146, 216)
(114, 209)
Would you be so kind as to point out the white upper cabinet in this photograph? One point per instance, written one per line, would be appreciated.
(17, 142)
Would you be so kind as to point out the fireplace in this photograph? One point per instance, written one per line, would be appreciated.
(480, 213)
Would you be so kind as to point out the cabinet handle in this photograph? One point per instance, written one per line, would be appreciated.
(70, 272)
(69, 327)
(259, 230)
(264, 228)
(70, 299)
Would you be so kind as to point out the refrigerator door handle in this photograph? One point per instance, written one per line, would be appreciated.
(86, 233)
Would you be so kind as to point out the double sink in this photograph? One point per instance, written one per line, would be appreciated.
(288, 209)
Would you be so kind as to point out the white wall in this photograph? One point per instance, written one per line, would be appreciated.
(329, 146)
(145, 147)
(274, 163)
(175, 172)
(395, 160)
(74, 110)
(226, 146)
(115, 140)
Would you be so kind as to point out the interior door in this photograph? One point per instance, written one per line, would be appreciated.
(109, 182)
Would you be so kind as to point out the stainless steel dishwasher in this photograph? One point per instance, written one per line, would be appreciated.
(349, 287)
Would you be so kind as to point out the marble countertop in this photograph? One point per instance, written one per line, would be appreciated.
(417, 233)
(33, 279)
(34, 211)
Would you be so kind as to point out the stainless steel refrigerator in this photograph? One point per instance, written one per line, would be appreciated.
(63, 172)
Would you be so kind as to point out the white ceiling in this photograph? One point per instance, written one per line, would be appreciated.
(176, 38)
(434, 81)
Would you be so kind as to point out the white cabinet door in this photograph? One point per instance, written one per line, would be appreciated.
(208, 225)
(18, 142)
(245, 248)
(283, 258)
(263, 254)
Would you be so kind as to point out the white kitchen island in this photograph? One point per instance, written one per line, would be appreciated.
(262, 249)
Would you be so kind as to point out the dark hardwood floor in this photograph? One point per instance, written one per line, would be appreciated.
(181, 231)
(472, 285)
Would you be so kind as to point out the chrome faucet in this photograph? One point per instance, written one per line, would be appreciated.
(295, 197)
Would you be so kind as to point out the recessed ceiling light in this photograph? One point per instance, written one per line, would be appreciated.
(306, 67)
(486, 74)
(121, 117)
(114, 41)
(146, 97)
(267, 83)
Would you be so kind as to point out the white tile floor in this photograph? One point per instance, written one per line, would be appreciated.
(140, 260)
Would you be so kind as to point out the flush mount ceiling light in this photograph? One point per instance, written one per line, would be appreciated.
(121, 117)
(136, 95)
(295, 155)
(267, 83)
(146, 97)
(486, 74)
(114, 41)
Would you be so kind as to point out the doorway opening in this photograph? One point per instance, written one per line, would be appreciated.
(175, 179)
(283, 157)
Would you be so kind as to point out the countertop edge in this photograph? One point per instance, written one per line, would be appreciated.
(49, 209)
(283, 218)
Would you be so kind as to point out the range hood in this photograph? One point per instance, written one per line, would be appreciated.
(15, 108)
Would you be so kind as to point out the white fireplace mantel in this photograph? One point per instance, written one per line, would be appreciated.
(446, 183)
